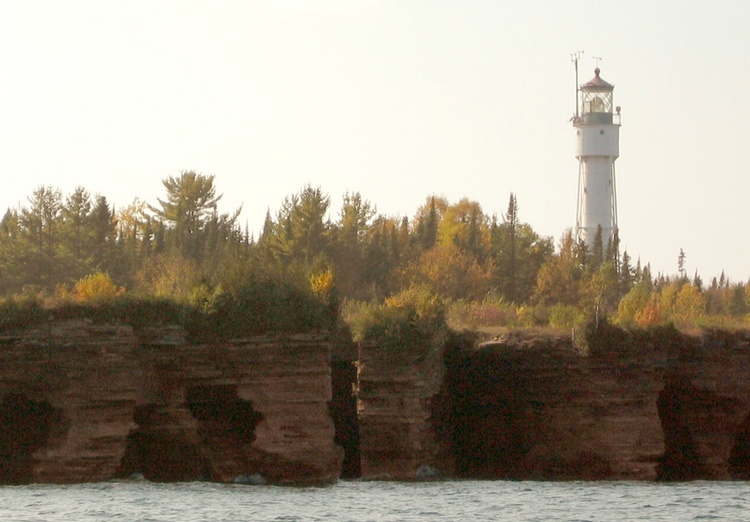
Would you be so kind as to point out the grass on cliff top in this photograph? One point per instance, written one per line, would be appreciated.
(258, 308)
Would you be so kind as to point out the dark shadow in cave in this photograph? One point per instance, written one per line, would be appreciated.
(739, 457)
(486, 413)
(680, 460)
(226, 425)
(343, 410)
(160, 453)
(26, 427)
(222, 413)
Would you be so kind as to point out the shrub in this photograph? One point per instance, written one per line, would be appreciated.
(413, 319)
(565, 316)
(135, 312)
(96, 287)
(488, 313)
(17, 313)
(533, 315)
(258, 307)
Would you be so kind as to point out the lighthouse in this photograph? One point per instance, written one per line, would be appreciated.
(597, 128)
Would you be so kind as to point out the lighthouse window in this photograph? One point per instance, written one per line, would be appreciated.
(597, 102)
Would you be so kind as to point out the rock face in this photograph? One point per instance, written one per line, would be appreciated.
(83, 403)
(68, 393)
(398, 438)
(705, 410)
(539, 410)
(659, 406)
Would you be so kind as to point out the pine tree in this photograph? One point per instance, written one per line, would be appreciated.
(697, 281)
(190, 202)
(626, 273)
(511, 224)
(597, 250)
(40, 223)
(681, 267)
(430, 227)
(76, 235)
(103, 234)
(738, 303)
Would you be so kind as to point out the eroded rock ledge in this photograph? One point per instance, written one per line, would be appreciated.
(83, 403)
(655, 405)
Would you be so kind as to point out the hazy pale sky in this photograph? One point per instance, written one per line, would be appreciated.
(396, 100)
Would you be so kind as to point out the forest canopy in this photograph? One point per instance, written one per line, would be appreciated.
(485, 270)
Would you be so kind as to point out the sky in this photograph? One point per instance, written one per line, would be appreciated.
(396, 100)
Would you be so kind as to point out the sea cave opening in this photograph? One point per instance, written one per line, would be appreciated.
(343, 411)
(222, 414)
(160, 450)
(681, 460)
(739, 457)
(26, 427)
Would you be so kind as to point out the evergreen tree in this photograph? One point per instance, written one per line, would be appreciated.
(12, 270)
(511, 226)
(429, 226)
(597, 251)
(681, 268)
(697, 281)
(519, 254)
(385, 241)
(103, 226)
(76, 232)
(349, 245)
(612, 252)
(191, 201)
(300, 243)
(738, 302)
(39, 222)
(267, 232)
(627, 275)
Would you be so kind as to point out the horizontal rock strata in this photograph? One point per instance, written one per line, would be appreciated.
(398, 438)
(642, 407)
(82, 402)
(539, 410)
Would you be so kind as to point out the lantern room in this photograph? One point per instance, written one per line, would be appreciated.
(596, 100)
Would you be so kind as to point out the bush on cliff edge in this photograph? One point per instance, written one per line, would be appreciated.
(411, 320)
(258, 307)
(20, 313)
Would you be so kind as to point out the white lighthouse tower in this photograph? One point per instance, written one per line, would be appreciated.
(597, 147)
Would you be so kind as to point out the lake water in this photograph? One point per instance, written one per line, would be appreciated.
(379, 501)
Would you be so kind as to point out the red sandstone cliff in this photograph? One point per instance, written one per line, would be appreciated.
(398, 438)
(81, 403)
(705, 410)
(537, 409)
(644, 406)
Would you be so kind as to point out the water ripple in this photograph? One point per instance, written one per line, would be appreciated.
(378, 501)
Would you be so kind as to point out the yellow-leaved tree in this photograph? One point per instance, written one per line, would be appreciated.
(95, 287)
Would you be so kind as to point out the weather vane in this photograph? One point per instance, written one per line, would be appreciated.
(598, 59)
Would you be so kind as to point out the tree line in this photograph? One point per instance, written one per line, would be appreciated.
(181, 247)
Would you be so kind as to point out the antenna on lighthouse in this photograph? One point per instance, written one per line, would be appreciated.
(574, 57)
(598, 59)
